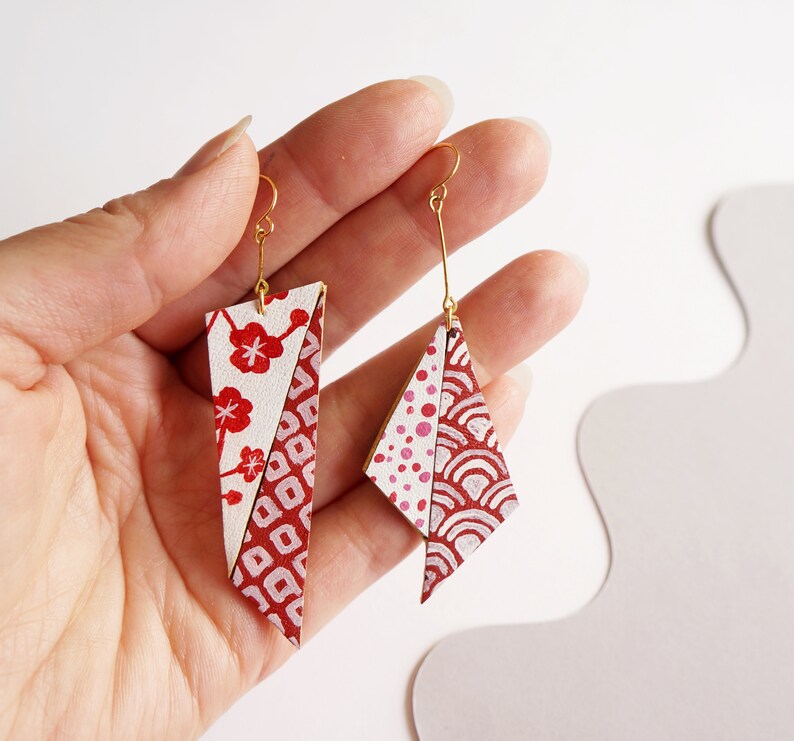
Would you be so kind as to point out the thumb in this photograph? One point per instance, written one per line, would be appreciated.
(69, 286)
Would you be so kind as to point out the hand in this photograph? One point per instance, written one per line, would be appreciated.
(116, 616)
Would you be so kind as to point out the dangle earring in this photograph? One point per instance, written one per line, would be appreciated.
(436, 457)
(265, 364)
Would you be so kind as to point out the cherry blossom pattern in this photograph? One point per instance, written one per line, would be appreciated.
(255, 348)
(251, 465)
(232, 497)
(232, 413)
(256, 355)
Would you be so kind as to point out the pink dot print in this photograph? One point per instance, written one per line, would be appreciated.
(409, 433)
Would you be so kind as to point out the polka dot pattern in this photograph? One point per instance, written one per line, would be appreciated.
(402, 462)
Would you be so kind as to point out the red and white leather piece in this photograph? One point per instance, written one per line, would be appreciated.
(472, 492)
(438, 460)
(271, 568)
(401, 462)
(253, 359)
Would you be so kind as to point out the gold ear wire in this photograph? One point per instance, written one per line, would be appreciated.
(436, 201)
(260, 234)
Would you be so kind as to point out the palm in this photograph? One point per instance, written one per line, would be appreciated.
(116, 604)
(150, 508)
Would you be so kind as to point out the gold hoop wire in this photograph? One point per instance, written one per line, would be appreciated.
(436, 201)
(260, 234)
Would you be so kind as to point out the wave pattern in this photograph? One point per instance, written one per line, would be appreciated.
(472, 491)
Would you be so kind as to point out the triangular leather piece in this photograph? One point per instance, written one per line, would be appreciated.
(472, 492)
(271, 568)
(252, 361)
(400, 463)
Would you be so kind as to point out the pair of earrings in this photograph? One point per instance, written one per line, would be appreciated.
(436, 457)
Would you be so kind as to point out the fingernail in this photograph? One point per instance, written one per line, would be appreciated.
(441, 91)
(581, 266)
(522, 375)
(215, 147)
(537, 128)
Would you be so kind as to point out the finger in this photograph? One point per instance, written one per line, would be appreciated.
(69, 286)
(325, 167)
(361, 536)
(374, 254)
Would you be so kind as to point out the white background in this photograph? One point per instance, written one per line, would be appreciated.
(654, 109)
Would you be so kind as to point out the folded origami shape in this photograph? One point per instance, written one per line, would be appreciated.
(438, 460)
(265, 380)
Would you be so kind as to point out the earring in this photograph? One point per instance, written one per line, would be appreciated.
(437, 458)
(265, 366)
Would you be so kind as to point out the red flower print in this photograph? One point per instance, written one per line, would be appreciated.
(254, 348)
(232, 497)
(231, 411)
(275, 297)
(252, 463)
(297, 318)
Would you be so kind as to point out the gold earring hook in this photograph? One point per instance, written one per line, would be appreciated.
(437, 196)
(442, 186)
(260, 234)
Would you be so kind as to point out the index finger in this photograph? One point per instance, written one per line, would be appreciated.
(325, 167)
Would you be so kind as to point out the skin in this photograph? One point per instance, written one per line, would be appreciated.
(116, 617)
